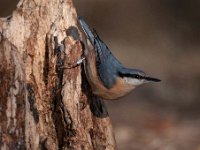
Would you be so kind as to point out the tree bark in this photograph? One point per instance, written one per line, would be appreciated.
(43, 105)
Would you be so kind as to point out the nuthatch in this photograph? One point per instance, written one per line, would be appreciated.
(108, 78)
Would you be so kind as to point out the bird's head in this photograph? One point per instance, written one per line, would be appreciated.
(135, 77)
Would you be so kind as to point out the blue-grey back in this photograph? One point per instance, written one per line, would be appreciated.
(107, 65)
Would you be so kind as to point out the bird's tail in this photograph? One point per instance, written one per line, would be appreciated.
(87, 30)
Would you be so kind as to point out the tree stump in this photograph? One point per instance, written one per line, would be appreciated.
(43, 105)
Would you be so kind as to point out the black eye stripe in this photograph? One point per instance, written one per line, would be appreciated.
(138, 77)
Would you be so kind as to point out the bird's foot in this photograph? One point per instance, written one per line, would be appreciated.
(77, 63)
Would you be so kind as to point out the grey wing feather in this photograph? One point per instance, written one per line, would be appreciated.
(86, 29)
(107, 64)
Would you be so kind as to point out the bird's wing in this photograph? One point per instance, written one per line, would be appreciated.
(86, 29)
(107, 64)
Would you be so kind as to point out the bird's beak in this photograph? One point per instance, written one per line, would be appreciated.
(151, 79)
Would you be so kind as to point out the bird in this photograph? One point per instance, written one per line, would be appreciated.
(106, 75)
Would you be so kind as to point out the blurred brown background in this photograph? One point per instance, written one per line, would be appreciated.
(162, 37)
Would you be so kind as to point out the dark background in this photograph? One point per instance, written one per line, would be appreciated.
(161, 37)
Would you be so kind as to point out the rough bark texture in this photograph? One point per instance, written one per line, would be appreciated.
(42, 105)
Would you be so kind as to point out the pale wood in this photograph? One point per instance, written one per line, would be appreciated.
(42, 105)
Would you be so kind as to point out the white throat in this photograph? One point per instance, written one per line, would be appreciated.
(134, 81)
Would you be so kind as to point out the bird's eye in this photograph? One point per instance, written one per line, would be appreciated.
(137, 77)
